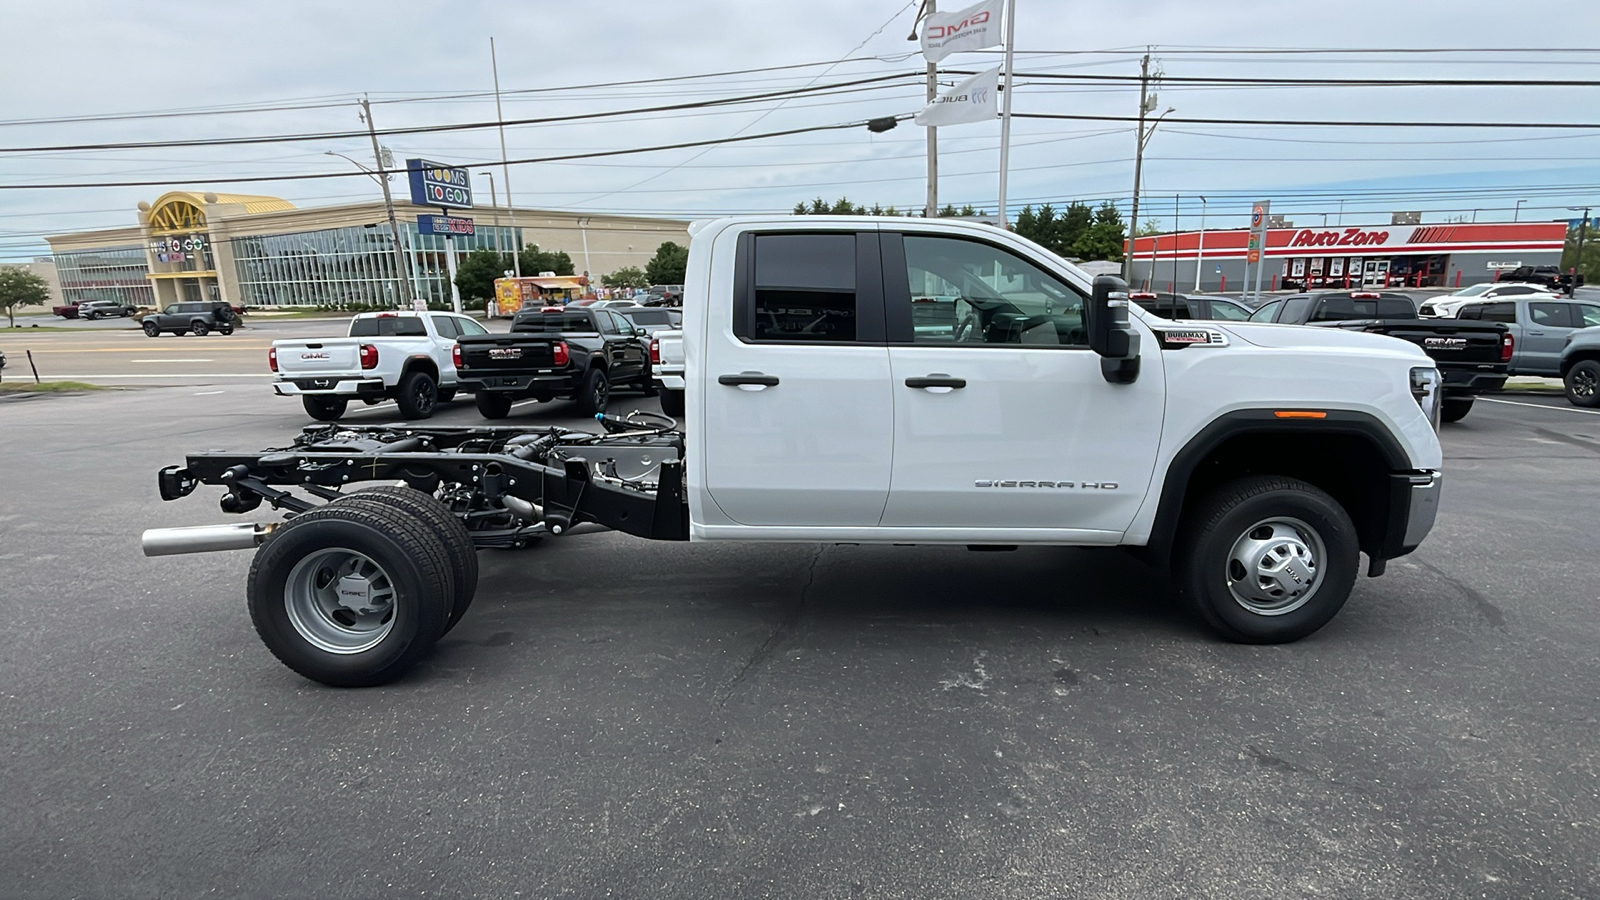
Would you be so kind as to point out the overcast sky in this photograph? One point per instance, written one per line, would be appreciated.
(70, 59)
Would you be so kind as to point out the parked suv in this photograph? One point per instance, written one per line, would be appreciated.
(101, 309)
(198, 319)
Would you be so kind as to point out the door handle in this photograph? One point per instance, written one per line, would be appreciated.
(1536, 333)
(936, 380)
(748, 380)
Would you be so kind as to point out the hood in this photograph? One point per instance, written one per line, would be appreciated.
(1302, 337)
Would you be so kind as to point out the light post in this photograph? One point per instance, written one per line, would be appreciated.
(494, 205)
(1517, 210)
(1145, 133)
(1200, 252)
(381, 176)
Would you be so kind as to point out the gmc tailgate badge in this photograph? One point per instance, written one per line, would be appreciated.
(1445, 343)
(505, 352)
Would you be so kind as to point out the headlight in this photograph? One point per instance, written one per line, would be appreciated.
(1427, 387)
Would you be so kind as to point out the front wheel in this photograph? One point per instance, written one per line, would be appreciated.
(324, 409)
(351, 595)
(1268, 560)
(492, 405)
(417, 395)
(593, 393)
(1583, 384)
(1455, 408)
(151, 329)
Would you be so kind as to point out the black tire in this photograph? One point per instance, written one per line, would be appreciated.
(647, 382)
(323, 408)
(151, 329)
(296, 602)
(92, 316)
(199, 329)
(492, 405)
(417, 395)
(1583, 383)
(446, 394)
(463, 556)
(544, 395)
(672, 402)
(1273, 520)
(224, 330)
(1455, 408)
(593, 393)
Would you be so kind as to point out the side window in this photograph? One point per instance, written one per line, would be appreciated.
(1588, 314)
(804, 289)
(1549, 315)
(1229, 312)
(446, 326)
(1266, 313)
(607, 324)
(1296, 309)
(971, 293)
(1513, 291)
(1497, 312)
(468, 327)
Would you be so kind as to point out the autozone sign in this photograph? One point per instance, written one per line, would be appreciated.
(1347, 237)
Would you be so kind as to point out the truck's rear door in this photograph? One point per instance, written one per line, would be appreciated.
(798, 422)
(319, 358)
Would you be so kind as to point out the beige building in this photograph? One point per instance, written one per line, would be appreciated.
(262, 251)
(45, 268)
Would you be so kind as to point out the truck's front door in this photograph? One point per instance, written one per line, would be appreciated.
(1003, 419)
(798, 425)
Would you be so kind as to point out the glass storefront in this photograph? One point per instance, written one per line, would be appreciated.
(354, 264)
(115, 273)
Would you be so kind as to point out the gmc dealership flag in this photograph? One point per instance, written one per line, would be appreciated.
(973, 28)
(972, 100)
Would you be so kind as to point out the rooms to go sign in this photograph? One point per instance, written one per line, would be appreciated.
(436, 184)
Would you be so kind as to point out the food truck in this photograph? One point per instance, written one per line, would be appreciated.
(512, 294)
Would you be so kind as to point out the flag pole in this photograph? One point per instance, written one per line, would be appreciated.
(1005, 112)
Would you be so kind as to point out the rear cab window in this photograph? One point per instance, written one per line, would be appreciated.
(809, 288)
(554, 323)
(388, 326)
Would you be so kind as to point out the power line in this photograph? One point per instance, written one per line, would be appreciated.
(1316, 123)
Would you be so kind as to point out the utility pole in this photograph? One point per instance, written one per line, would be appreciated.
(1138, 162)
(1577, 262)
(505, 167)
(931, 209)
(1200, 251)
(406, 293)
(1005, 115)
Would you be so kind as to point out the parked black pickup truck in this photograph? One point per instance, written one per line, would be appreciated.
(1472, 356)
(1550, 277)
(579, 354)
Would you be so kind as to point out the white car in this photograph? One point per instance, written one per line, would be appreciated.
(1448, 305)
(404, 356)
(1258, 462)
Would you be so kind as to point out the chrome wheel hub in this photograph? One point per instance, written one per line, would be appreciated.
(1584, 383)
(340, 601)
(1274, 567)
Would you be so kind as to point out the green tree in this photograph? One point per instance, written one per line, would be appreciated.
(1150, 226)
(1073, 224)
(535, 261)
(1105, 238)
(19, 287)
(476, 272)
(1589, 266)
(626, 277)
(948, 211)
(668, 265)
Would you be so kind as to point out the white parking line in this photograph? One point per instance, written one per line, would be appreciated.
(171, 360)
(209, 393)
(1587, 412)
(92, 377)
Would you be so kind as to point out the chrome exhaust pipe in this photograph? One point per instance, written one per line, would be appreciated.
(205, 538)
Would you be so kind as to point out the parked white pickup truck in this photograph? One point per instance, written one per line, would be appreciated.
(666, 367)
(404, 356)
(876, 380)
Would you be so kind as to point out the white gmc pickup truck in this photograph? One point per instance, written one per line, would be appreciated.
(893, 381)
(404, 356)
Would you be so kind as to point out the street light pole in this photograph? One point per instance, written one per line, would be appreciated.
(388, 206)
(494, 205)
(505, 165)
(1200, 252)
(1583, 232)
(1517, 210)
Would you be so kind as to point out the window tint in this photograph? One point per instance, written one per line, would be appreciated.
(388, 326)
(553, 323)
(1267, 312)
(1514, 290)
(445, 325)
(973, 293)
(1587, 314)
(648, 317)
(1496, 312)
(1551, 315)
(1295, 309)
(469, 327)
(805, 287)
(1228, 311)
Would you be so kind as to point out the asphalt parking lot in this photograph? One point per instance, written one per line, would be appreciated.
(621, 718)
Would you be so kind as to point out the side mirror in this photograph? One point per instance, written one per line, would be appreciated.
(1110, 335)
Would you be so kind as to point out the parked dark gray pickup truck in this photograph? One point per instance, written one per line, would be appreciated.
(1472, 356)
(581, 354)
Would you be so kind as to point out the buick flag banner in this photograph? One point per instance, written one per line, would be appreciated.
(973, 28)
(973, 100)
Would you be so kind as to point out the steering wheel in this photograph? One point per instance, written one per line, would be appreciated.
(962, 328)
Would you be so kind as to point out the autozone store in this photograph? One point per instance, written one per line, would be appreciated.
(1347, 256)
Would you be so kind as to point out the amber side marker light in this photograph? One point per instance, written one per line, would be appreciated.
(1300, 414)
